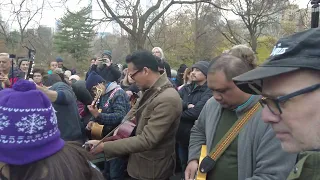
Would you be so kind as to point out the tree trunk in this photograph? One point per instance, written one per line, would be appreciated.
(196, 34)
(254, 43)
(136, 43)
(132, 44)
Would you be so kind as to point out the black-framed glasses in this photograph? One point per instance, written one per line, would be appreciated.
(274, 104)
(135, 73)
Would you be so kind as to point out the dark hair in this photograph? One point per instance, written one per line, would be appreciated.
(72, 162)
(143, 58)
(21, 60)
(38, 70)
(230, 65)
(51, 79)
(160, 62)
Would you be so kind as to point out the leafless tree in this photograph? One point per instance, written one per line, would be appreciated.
(137, 22)
(20, 13)
(255, 15)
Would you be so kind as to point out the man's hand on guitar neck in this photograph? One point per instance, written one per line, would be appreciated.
(191, 170)
(93, 110)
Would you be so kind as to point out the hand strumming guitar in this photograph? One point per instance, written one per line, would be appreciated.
(95, 150)
(191, 170)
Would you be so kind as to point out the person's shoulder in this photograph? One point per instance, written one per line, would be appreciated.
(170, 94)
(60, 85)
(212, 102)
(120, 91)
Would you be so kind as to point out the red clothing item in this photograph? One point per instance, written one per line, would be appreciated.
(81, 109)
(12, 81)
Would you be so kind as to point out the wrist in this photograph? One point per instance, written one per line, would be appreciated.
(96, 115)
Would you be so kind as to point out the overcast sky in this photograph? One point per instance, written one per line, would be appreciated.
(54, 11)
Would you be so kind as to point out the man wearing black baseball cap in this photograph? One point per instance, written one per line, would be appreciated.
(289, 81)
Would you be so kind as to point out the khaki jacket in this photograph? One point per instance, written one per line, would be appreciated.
(152, 149)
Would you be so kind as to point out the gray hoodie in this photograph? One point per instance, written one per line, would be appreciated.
(260, 156)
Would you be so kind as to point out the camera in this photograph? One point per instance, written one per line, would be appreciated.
(12, 56)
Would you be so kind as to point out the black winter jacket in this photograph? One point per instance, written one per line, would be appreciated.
(110, 74)
(198, 97)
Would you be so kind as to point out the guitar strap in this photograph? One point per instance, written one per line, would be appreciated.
(111, 96)
(160, 90)
(209, 161)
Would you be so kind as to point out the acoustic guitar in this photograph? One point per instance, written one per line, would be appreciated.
(123, 131)
(98, 131)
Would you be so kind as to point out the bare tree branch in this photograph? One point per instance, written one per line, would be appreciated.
(116, 18)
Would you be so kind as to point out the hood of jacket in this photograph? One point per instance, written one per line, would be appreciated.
(111, 86)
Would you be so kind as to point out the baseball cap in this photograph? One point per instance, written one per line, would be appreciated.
(298, 51)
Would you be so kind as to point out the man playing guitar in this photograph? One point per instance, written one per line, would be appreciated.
(152, 148)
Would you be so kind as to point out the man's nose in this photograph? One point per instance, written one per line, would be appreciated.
(217, 96)
(268, 117)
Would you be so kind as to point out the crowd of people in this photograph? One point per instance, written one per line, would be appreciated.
(226, 118)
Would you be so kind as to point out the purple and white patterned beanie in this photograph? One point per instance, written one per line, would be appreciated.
(28, 125)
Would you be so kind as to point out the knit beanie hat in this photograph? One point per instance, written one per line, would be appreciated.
(107, 53)
(28, 125)
(93, 79)
(202, 66)
(59, 59)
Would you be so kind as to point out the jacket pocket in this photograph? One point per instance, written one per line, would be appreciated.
(155, 164)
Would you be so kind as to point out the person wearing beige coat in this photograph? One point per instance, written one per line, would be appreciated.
(151, 149)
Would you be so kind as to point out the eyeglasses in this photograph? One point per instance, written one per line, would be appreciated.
(135, 73)
(274, 104)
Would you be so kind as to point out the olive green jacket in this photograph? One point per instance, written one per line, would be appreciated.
(307, 168)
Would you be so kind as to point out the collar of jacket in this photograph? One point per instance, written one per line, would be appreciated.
(202, 87)
(163, 80)
(254, 100)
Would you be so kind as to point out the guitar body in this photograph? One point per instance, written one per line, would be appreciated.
(96, 131)
(202, 176)
(124, 131)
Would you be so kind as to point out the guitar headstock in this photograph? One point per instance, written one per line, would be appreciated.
(97, 90)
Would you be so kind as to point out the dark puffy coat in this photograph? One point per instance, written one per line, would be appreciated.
(198, 97)
(110, 74)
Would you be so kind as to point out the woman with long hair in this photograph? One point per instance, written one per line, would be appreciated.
(157, 51)
(186, 77)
